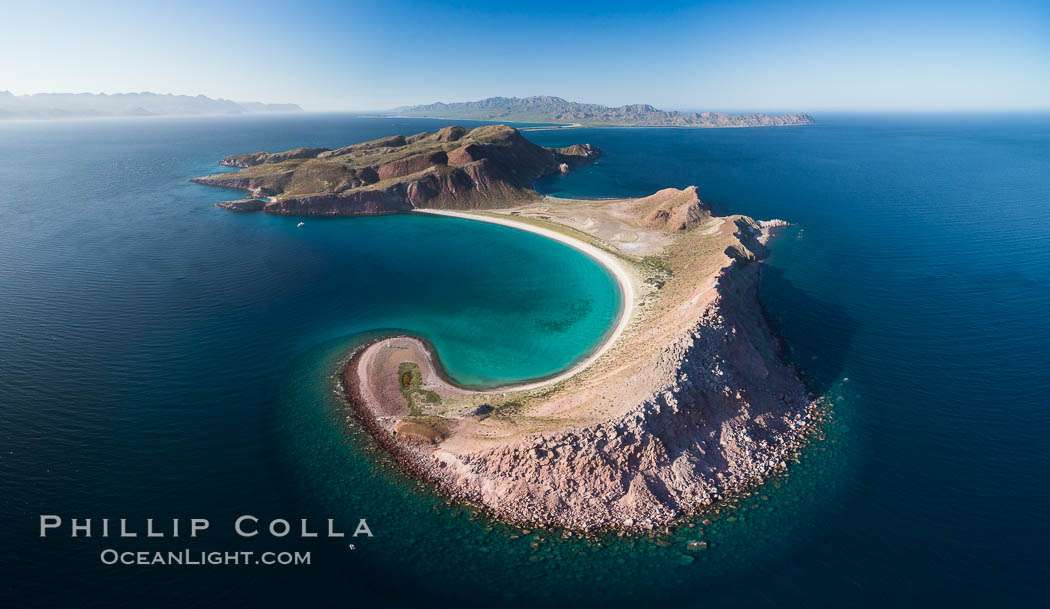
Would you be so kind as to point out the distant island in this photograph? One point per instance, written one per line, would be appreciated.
(89, 105)
(546, 109)
(688, 400)
(453, 168)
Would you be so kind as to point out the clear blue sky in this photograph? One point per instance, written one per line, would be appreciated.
(742, 55)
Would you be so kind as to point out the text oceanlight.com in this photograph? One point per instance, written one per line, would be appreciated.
(194, 558)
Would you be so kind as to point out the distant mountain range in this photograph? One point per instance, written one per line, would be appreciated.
(546, 109)
(84, 105)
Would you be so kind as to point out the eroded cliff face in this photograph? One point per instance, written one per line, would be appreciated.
(354, 203)
(454, 168)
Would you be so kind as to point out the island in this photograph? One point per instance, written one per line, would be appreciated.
(548, 109)
(689, 400)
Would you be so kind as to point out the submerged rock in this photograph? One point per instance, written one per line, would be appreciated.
(242, 205)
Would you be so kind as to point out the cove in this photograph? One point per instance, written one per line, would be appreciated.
(500, 305)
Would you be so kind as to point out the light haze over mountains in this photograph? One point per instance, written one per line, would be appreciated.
(87, 105)
(545, 108)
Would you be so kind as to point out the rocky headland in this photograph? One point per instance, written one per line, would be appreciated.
(454, 168)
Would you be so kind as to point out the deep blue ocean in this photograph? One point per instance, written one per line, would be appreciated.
(163, 358)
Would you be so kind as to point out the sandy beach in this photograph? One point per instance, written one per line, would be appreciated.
(621, 273)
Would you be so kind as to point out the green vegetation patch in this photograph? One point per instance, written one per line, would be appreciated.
(656, 270)
(410, 380)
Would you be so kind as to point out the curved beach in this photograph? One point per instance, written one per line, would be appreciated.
(615, 267)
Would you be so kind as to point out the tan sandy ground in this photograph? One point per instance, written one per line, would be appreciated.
(688, 401)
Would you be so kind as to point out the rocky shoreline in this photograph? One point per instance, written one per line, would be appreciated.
(691, 405)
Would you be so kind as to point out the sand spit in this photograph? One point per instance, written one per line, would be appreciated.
(687, 402)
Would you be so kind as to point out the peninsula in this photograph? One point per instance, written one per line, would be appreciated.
(687, 401)
(544, 109)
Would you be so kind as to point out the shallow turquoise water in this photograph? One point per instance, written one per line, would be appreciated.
(500, 305)
(163, 358)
